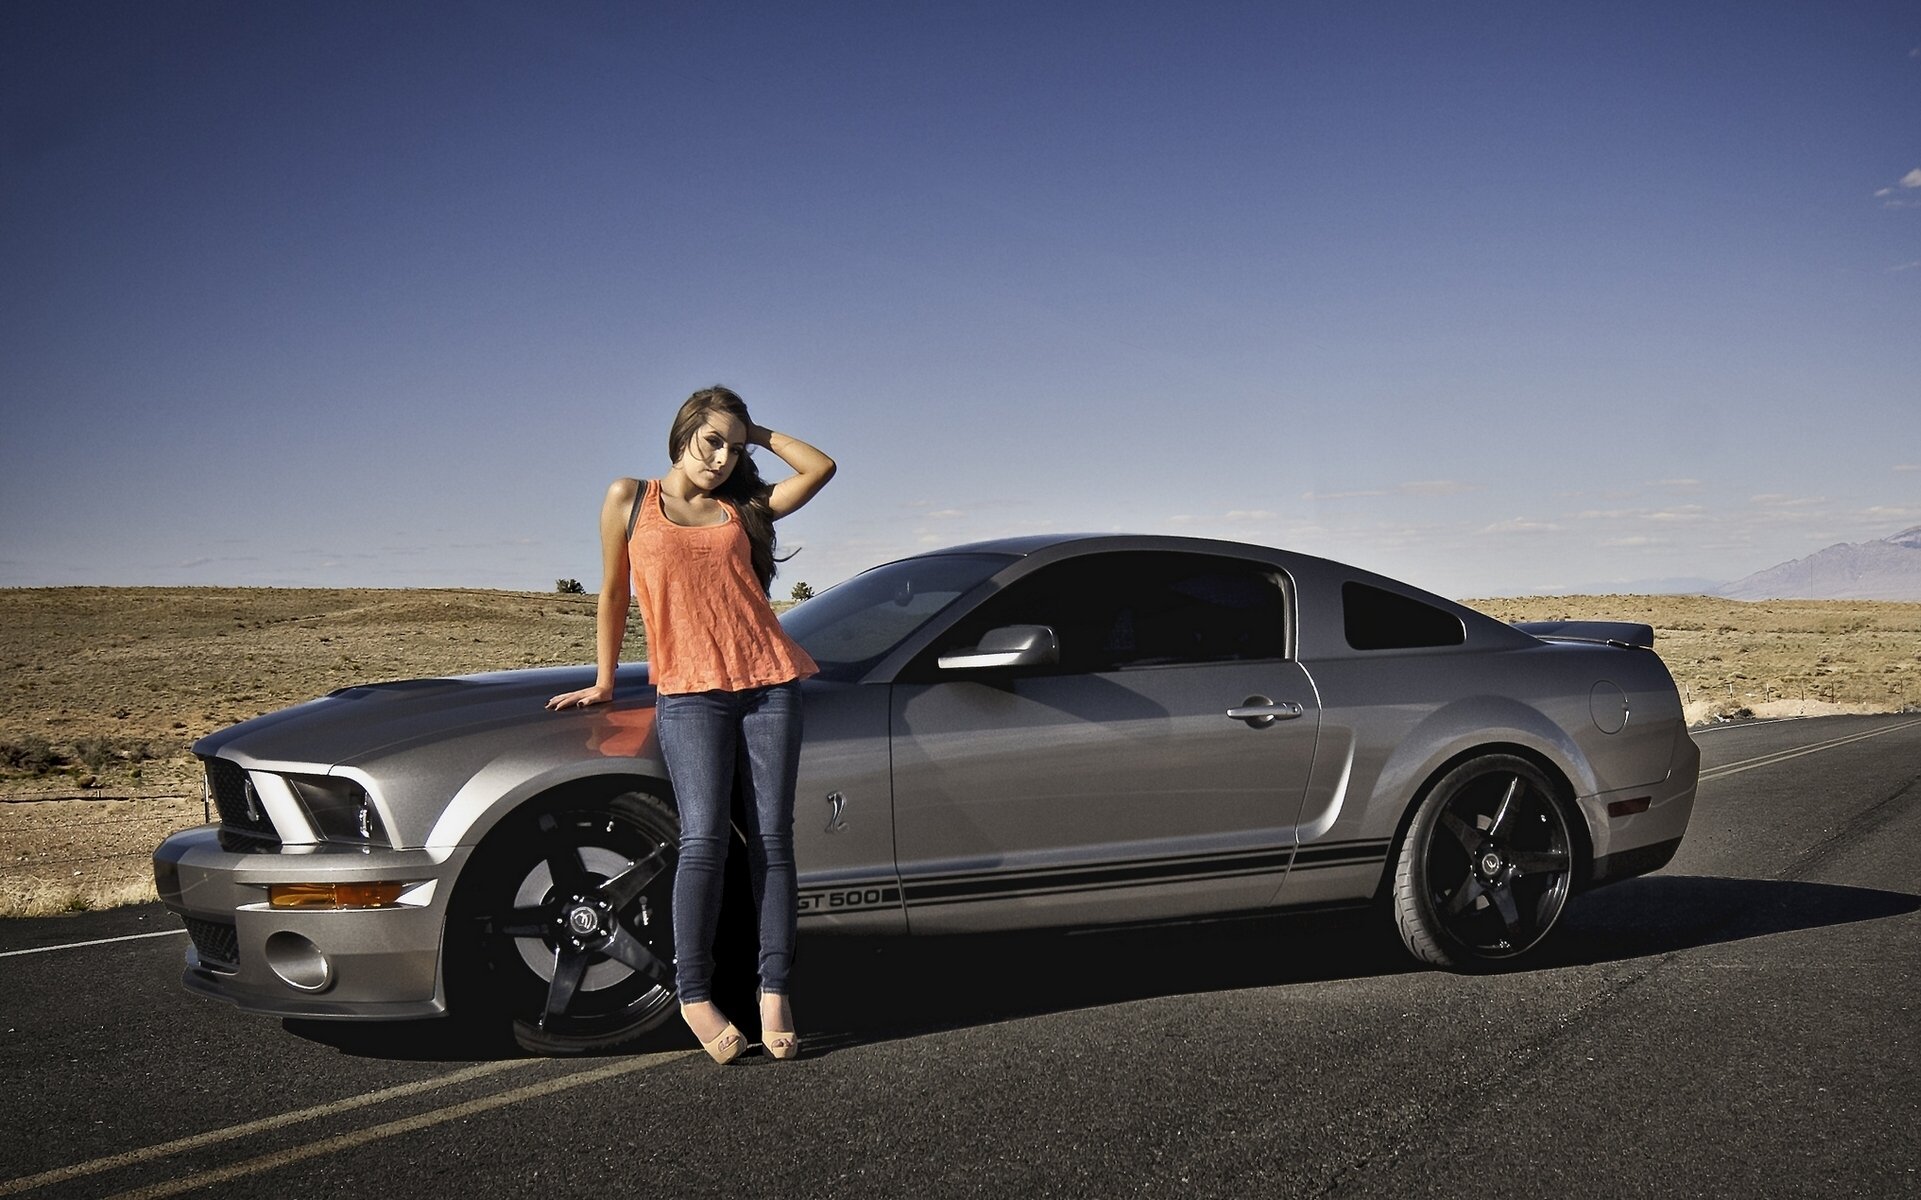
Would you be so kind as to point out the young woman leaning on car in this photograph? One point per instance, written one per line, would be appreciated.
(697, 548)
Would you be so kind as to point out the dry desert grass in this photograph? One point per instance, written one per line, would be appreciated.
(117, 683)
(110, 686)
(1770, 658)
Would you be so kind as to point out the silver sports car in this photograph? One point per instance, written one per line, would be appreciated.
(1046, 731)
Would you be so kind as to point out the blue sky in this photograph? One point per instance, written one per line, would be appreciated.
(1495, 298)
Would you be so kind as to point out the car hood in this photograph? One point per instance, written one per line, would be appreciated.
(374, 720)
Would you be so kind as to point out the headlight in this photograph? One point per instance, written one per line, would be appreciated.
(341, 809)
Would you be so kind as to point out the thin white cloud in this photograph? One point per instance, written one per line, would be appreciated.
(1438, 487)
(1413, 487)
(944, 514)
(1686, 514)
(1907, 467)
(1521, 525)
(1634, 542)
(1786, 500)
(1891, 197)
(1685, 485)
(1236, 516)
(1632, 521)
(1897, 268)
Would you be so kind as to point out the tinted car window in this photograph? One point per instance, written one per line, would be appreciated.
(1377, 619)
(1113, 612)
(853, 625)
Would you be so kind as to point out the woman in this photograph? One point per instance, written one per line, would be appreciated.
(698, 546)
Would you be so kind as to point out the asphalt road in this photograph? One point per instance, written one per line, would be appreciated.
(1744, 1024)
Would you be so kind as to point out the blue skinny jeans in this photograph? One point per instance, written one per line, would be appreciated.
(707, 739)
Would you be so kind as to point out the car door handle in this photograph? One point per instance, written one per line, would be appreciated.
(1259, 710)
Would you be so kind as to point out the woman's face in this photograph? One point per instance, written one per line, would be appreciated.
(709, 456)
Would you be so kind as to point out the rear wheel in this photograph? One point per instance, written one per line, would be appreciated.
(1485, 870)
(567, 925)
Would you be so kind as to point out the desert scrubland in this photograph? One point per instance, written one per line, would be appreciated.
(106, 688)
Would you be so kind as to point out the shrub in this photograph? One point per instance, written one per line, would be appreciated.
(104, 750)
(802, 592)
(569, 587)
(96, 752)
(30, 753)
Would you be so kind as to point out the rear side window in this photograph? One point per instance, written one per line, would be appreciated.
(1382, 620)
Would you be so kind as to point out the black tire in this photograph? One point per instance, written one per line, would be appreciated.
(563, 925)
(1487, 865)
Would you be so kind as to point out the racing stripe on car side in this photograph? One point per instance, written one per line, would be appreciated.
(1000, 885)
(1342, 854)
(972, 886)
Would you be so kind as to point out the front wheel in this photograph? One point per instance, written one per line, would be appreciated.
(566, 925)
(1485, 870)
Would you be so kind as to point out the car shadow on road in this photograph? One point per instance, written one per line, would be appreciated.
(857, 991)
(873, 991)
(890, 991)
(1659, 914)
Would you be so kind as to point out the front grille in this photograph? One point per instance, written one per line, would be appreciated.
(215, 942)
(232, 794)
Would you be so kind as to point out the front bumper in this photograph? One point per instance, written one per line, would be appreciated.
(366, 963)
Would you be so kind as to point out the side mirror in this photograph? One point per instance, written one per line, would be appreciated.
(1007, 646)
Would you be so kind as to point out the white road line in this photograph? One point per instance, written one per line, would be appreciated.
(132, 937)
(213, 1137)
(374, 1133)
(1780, 756)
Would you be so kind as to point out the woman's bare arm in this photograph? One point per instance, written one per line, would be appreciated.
(616, 591)
(812, 469)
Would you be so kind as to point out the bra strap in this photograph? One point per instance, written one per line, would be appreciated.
(640, 493)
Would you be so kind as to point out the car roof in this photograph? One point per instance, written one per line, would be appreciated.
(1034, 543)
(1319, 580)
(1024, 545)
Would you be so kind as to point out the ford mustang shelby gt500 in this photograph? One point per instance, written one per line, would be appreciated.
(1045, 731)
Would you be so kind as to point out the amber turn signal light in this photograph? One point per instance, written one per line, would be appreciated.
(334, 895)
(1627, 808)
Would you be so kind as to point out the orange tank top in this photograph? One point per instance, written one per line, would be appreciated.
(709, 626)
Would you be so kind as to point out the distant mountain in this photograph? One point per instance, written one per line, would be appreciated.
(1889, 569)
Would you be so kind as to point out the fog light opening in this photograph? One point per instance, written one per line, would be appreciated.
(298, 962)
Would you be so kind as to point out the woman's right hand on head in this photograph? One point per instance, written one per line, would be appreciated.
(582, 698)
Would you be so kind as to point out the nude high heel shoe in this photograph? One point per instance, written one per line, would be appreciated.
(725, 1046)
(782, 1044)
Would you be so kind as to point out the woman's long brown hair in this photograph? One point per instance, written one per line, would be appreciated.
(744, 486)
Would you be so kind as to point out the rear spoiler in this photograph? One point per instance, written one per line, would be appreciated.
(1614, 633)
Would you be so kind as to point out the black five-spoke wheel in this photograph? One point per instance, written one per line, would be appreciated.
(570, 924)
(1486, 867)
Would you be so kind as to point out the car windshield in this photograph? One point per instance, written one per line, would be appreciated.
(851, 626)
